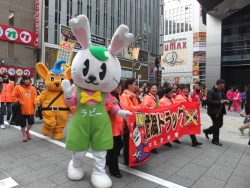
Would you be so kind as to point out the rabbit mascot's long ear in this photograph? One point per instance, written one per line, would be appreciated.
(121, 39)
(94, 67)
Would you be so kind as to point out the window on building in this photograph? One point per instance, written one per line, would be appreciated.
(46, 3)
(170, 21)
(112, 16)
(46, 34)
(10, 49)
(11, 18)
(186, 18)
(178, 20)
(190, 17)
(97, 18)
(89, 10)
(182, 19)
(105, 18)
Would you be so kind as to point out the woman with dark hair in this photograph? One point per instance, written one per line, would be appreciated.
(185, 97)
(144, 92)
(117, 123)
(130, 103)
(25, 94)
(151, 101)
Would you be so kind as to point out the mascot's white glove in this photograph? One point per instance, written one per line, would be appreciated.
(124, 113)
(67, 88)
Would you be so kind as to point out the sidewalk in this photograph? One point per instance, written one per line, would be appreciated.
(42, 162)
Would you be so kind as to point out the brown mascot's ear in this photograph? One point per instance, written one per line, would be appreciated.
(68, 73)
(41, 70)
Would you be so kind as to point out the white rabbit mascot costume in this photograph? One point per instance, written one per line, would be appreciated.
(96, 72)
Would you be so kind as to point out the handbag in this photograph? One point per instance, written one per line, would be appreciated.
(17, 115)
(246, 120)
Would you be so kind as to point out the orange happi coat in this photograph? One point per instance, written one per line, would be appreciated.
(183, 98)
(129, 100)
(26, 96)
(117, 122)
(164, 102)
(150, 101)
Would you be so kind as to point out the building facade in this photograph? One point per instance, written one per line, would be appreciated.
(228, 41)
(17, 53)
(141, 16)
(184, 47)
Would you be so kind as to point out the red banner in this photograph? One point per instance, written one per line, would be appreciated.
(149, 129)
(36, 34)
(17, 35)
(16, 71)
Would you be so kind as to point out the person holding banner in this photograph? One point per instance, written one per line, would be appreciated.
(151, 101)
(168, 100)
(185, 97)
(130, 103)
(117, 123)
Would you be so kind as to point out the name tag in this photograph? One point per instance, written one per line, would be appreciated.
(27, 95)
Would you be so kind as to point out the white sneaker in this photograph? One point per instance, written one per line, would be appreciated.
(2, 127)
(7, 122)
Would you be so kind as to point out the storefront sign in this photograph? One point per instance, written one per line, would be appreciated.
(126, 74)
(65, 52)
(175, 45)
(143, 56)
(200, 34)
(199, 39)
(36, 34)
(16, 71)
(17, 35)
(199, 44)
(150, 129)
(67, 35)
(135, 53)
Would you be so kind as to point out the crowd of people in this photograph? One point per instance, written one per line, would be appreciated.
(130, 97)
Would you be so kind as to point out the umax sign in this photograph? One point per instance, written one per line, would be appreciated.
(17, 35)
(16, 71)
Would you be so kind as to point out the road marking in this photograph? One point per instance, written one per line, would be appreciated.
(8, 183)
(133, 171)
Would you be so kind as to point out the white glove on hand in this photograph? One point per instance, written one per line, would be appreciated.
(67, 88)
(124, 113)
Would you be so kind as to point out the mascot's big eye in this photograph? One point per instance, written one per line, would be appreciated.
(102, 71)
(85, 69)
(62, 79)
(52, 78)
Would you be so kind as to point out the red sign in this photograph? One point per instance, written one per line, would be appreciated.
(149, 129)
(16, 35)
(36, 40)
(16, 71)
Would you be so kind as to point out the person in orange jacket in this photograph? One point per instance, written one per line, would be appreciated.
(168, 100)
(185, 97)
(130, 103)
(151, 101)
(25, 94)
(6, 101)
(117, 123)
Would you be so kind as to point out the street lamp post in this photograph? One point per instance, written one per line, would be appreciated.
(137, 40)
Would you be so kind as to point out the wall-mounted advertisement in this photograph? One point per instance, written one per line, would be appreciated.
(177, 78)
(174, 52)
(67, 35)
(151, 68)
(199, 40)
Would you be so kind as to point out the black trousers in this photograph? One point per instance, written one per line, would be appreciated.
(112, 156)
(193, 138)
(242, 104)
(230, 104)
(215, 128)
(126, 147)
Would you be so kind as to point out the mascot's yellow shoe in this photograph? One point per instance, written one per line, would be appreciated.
(45, 131)
(58, 136)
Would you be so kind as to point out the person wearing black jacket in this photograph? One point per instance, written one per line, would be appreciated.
(216, 100)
